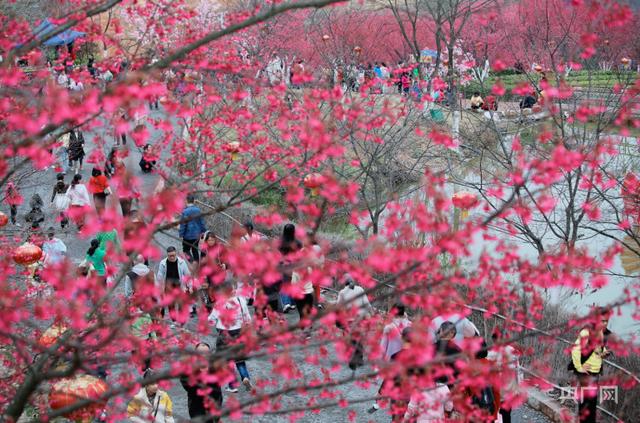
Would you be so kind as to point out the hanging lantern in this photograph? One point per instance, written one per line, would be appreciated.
(3, 219)
(325, 37)
(313, 182)
(27, 254)
(464, 201)
(51, 335)
(71, 390)
(357, 49)
(233, 147)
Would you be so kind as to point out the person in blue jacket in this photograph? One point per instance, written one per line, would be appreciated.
(191, 229)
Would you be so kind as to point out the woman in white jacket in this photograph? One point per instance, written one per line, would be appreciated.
(150, 405)
(78, 200)
(229, 317)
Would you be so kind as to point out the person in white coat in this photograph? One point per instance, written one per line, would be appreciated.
(229, 317)
(429, 405)
(53, 248)
(78, 199)
(173, 273)
(150, 405)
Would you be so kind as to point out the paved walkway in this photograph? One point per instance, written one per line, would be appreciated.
(357, 394)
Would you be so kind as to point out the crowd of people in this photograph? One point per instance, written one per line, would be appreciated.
(201, 272)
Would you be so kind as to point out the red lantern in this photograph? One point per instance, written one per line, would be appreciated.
(357, 49)
(27, 254)
(313, 182)
(51, 335)
(3, 219)
(71, 390)
(464, 200)
(325, 37)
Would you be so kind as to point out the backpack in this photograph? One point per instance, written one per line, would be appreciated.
(485, 400)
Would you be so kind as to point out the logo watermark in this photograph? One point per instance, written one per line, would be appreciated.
(606, 393)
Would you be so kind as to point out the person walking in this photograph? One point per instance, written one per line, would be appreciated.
(229, 317)
(76, 150)
(202, 395)
(53, 248)
(173, 274)
(587, 356)
(13, 199)
(95, 256)
(150, 404)
(391, 342)
(60, 199)
(142, 330)
(62, 152)
(138, 276)
(79, 200)
(353, 297)
(289, 245)
(191, 229)
(127, 192)
(213, 267)
(99, 188)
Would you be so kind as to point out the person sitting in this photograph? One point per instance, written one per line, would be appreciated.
(528, 102)
(476, 101)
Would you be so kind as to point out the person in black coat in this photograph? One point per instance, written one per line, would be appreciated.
(199, 395)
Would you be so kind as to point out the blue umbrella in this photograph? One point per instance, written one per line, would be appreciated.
(65, 37)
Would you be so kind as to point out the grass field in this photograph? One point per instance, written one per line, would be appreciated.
(583, 79)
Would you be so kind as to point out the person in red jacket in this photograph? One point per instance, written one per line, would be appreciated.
(99, 187)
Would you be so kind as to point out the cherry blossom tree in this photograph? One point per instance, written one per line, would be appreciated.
(226, 137)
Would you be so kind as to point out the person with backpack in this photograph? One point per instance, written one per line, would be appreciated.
(587, 355)
(191, 229)
(139, 275)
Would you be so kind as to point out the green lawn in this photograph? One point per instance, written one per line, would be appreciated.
(593, 79)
